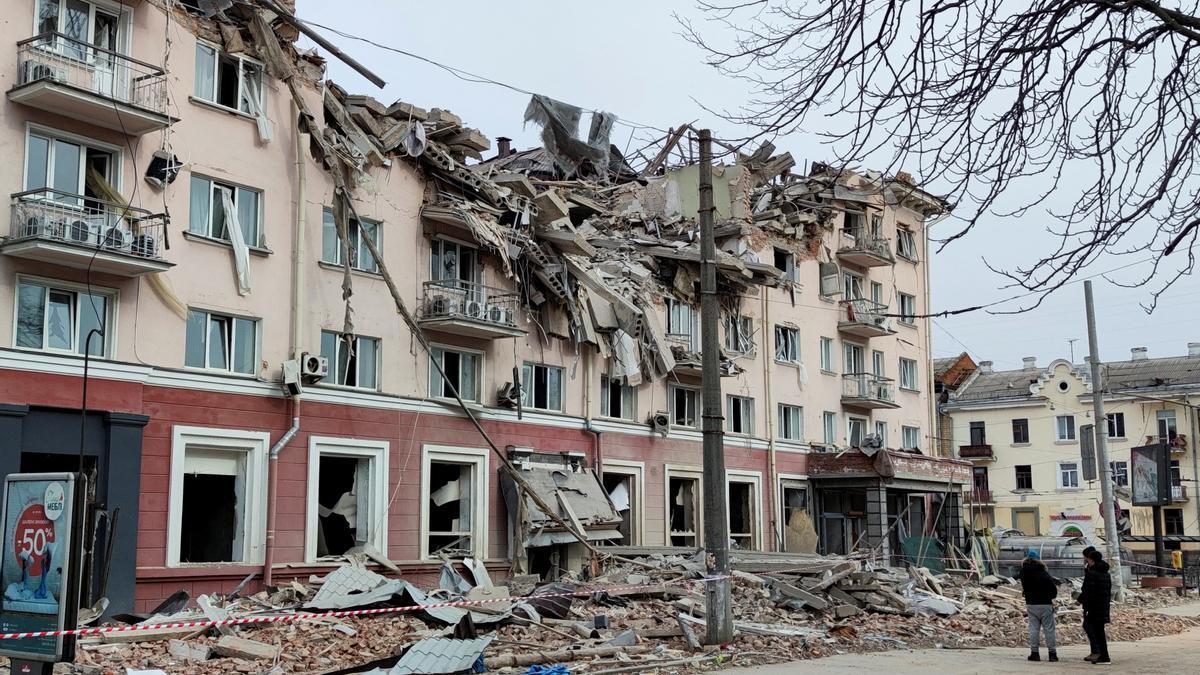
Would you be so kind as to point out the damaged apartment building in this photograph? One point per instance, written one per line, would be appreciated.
(274, 383)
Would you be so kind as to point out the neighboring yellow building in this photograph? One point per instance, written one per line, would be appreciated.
(1021, 429)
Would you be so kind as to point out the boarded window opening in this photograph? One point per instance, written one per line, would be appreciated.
(741, 515)
(620, 489)
(450, 494)
(684, 508)
(342, 512)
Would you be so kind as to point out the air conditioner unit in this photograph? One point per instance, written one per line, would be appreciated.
(499, 315)
(35, 226)
(291, 378)
(474, 309)
(509, 395)
(81, 231)
(116, 238)
(144, 245)
(660, 423)
(36, 70)
(313, 367)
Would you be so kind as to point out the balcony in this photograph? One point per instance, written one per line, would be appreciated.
(864, 318)
(980, 496)
(976, 451)
(77, 231)
(864, 390)
(859, 247)
(469, 309)
(1178, 493)
(67, 77)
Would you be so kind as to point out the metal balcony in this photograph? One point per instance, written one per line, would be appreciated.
(859, 247)
(864, 318)
(865, 390)
(81, 232)
(67, 77)
(980, 496)
(981, 451)
(1179, 493)
(469, 309)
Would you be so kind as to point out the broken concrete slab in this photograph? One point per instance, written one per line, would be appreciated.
(189, 651)
(241, 648)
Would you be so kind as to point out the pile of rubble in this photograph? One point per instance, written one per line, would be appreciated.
(646, 610)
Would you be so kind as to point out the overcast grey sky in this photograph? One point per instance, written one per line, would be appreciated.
(628, 58)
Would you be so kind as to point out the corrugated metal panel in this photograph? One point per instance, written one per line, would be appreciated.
(441, 656)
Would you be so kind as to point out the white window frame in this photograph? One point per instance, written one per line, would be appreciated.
(877, 293)
(787, 430)
(754, 479)
(1164, 421)
(695, 397)
(210, 97)
(829, 427)
(479, 370)
(116, 177)
(123, 13)
(376, 454)
(358, 246)
(1120, 469)
(676, 315)
(257, 241)
(739, 333)
(1062, 474)
(637, 501)
(255, 445)
(862, 422)
(854, 357)
(108, 341)
(463, 252)
(335, 361)
(256, 361)
(910, 437)
(909, 377)
(878, 363)
(477, 458)
(908, 309)
(827, 355)
(906, 244)
(1071, 434)
(687, 472)
(628, 396)
(1115, 422)
(881, 430)
(527, 394)
(852, 285)
(787, 344)
(746, 412)
(793, 481)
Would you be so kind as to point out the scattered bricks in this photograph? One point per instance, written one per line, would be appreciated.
(845, 611)
(789, 591)
(838, 595)
(241, 648)
(188, 651)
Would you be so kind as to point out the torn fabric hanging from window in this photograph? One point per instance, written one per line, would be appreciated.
(241, 252)
(560, 135)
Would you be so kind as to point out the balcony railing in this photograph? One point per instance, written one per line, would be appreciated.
(471, 309)
(89, 79)
(861, 247)
(980, 496)
(867, 390)
(864, 318)
(80, 231)
(975, 451)
(1179, 493)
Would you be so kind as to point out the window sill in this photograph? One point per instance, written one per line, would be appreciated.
(907, 324)
(61, 352)
(910, 390)
(1071, 442)
(1023, 491)
(828, 372)
(1069, 489)
(213, 241)
(610, 418)
(1120, 439)
(1019, 445)
(220, 108)
(335, 267)
(222, 373)
(907, 259)
(792, 364)
(345, 387)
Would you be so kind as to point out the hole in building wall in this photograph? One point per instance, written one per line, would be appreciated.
(450, 509)
(683, 493)
(620, 491)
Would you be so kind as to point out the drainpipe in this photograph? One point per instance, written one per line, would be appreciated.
(272, 487)
(772, 481)
(298, 255)
(597, 446)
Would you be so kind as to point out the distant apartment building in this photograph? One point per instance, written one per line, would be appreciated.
(1021, 429)
(195, 219)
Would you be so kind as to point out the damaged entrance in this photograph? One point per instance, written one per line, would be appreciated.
(453, 492)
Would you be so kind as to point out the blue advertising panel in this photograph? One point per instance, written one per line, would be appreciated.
(39, 563)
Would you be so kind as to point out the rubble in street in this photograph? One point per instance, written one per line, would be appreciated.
(643, 610)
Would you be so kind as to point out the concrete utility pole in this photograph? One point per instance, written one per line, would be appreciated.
(1112, 539)
(719, 611)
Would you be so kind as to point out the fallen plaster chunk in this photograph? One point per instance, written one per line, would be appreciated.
(241, 648)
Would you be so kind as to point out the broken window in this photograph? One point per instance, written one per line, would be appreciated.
(856, 431)
(684, 496)
(219, 342)
(213, 516)
(798, 533)
(791, 422)
(462, 374)
(353, 359)
(452, 261)
(622, 492)
(229, 80)
(682, 324)
(541, 387)
(449, 515)
(53, 318)
(739, 334)
(616, 399)
(742, 516)
(60, 167)
(908, 308)
(829, 427)
(785, 261)
(684, 405)
(207, 216)
(852, 286)
(343, 506)
(906, 244)
(881, 433)
(853, 224)
(829, 279)
(360, 255)
(877, 226)
(739, 415)
(1168, 429)
(787, 344)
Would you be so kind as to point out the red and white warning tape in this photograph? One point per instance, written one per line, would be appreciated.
(302, 616)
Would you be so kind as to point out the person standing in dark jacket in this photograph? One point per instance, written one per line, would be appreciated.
(1096, 598)
(1040, 590)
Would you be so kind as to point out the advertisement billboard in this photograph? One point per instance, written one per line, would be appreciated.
(39, 563)
(1150, 475)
